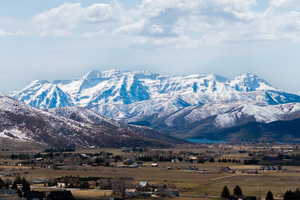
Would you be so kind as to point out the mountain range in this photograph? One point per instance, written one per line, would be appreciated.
(71, 126)
(199, 105)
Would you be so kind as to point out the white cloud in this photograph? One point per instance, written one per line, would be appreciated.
(67, 18)
(156, 29)
(212, 8)
(178, 18)
(277, 2)
(176, 22)
(284, 3)
(133, 27)
(4, 33)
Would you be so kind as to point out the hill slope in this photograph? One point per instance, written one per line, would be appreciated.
(20, 122)
(279, 131)
(195, 121)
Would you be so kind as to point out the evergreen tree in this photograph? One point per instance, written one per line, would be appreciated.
(225, 193)
(292, 195)
(8, 183)
(269, 196)
(2, 184)
(237, 191)
(297, 193)
(17, 181)
(84, 185)
(288, 195)
(25, 187)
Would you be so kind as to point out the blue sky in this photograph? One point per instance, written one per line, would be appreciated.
(58, 39)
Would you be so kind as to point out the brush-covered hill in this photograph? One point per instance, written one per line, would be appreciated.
(71, 127)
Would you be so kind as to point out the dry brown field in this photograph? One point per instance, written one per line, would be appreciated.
(189, 183)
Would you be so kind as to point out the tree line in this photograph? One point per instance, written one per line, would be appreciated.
(238, 194)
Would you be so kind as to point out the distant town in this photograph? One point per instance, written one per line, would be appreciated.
(206, 171)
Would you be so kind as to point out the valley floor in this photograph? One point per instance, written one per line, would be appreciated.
(190, 183)
(206, 183)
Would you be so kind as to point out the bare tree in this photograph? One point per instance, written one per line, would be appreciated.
(119, 187)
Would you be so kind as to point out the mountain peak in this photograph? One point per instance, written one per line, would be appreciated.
(216, 77)
(111, 73)
(39, 82)
(250, 76)
(250, 82)
(126, 94)
(95, 74)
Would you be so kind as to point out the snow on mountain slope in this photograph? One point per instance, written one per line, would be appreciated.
(134, 112)
(15, 134)
(196, 120)
(76, 126)
(84, 115)
(20, 121)
(249, 83)
(229, 114)
(42, 94)
(131, 96)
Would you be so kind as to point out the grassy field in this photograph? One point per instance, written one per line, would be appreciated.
(189, 183)
(90, 194)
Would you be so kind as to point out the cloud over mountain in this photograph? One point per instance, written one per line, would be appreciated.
(174, 22)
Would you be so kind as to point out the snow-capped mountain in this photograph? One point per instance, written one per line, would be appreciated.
(195, 121)
(70, 126)
(43, 94)
(125, 95)
(185, 106)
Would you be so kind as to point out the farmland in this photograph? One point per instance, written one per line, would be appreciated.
(194, 179)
